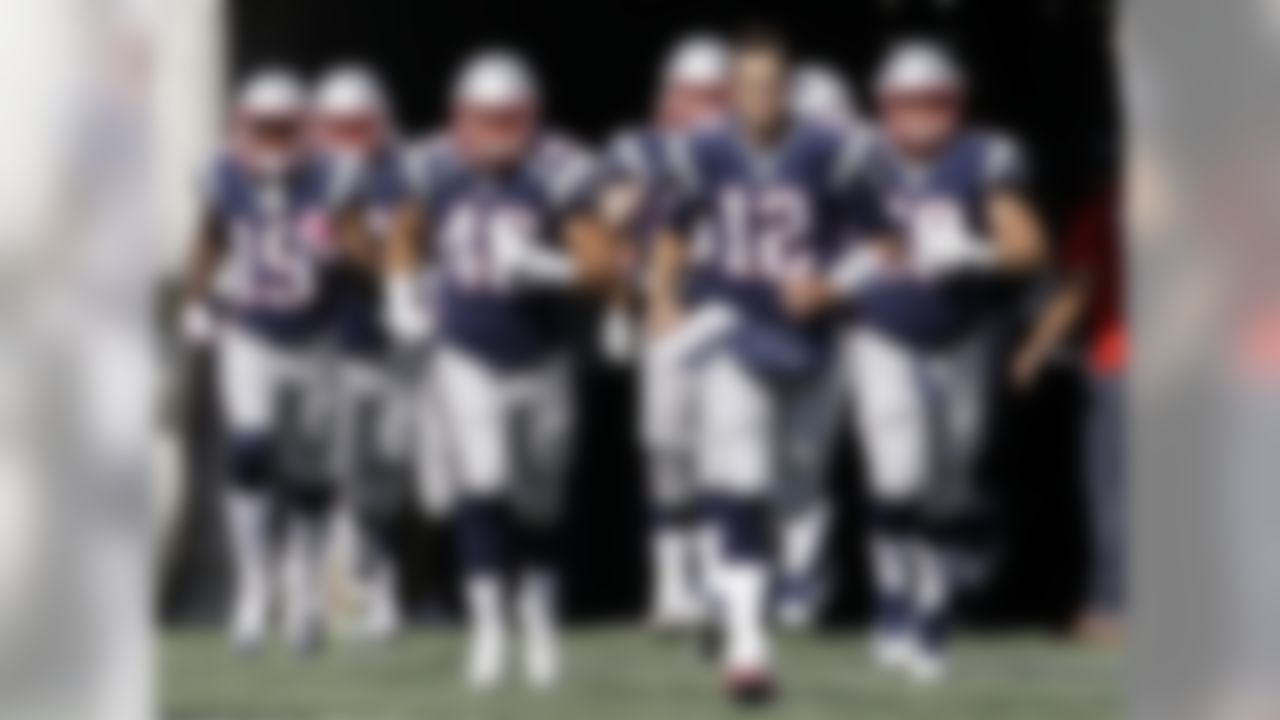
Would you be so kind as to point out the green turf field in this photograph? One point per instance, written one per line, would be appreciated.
(627, 674)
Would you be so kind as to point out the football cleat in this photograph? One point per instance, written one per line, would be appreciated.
(890, 650)
(750, 686)
(924, 666)
(542, 663)
(249, 624)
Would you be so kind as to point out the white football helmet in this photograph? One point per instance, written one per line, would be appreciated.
(496, 103)
(270, 113)
(919, 67)
(819, 92)
(351, 110)
(695, 77)
(496, 79)
(920, 91)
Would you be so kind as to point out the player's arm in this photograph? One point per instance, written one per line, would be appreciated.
(593, 251)
(197, 322)
(356, 241)
(668, 263)
(1055, 322)
(1017, 238)
(868, 248)
(1017, 235)
(206, 255)
(402, 265)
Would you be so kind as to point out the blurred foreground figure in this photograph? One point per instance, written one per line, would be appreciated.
(504, 207)
(639, 186)
(262, 253)
(373, 429)
(765, 191)
(1091, 294)
(918, 357)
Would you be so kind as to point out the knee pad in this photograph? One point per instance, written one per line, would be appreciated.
(736, 465)
(250, 461)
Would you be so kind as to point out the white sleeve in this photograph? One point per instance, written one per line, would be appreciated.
(1004, 163)
(625, 156)
(851, 158)
(570, 174)
(415, 166)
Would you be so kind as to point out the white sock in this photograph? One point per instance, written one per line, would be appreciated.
(487, 619)
(304, 554)
(383, 617)
(248, 516)
(671, 554)
(891, 563)
(536, 606)
(931, 591)
(706, 539)
(742, 585)
(803, 534)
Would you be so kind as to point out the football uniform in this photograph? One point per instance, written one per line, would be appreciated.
(274, 383)
(764, 217)
(375, 402)
(275, 289)
(918, 356)
(501, 367)
(639, 160)
(918, 362)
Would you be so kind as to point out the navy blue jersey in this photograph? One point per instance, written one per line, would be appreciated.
(761, 217)
(277, 247)
(643, 156)
(466, 209)
(377, 188)
(935, 312)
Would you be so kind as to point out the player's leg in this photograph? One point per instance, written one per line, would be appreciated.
(246, 395)
(370, 476)
(307, 473)
(958, 394)
(545, 426)
(736, 462)
(424, 413)
(475, 403)
(666, 426)
(807, 428)
(395, 434)
(891, 423)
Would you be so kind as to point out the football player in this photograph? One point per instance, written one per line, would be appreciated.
(918, 355)
(356, 138)
(505, 209)
(263, 248)
(821, 95)
(639, 185)
(819, 92)
(765, 191)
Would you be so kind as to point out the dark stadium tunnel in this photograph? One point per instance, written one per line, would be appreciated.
(1042, 70)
